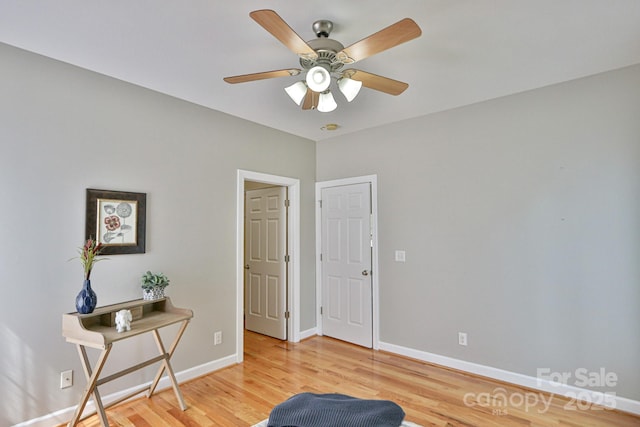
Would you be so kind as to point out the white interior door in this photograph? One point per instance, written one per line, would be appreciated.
(346, 263)
(265, 266)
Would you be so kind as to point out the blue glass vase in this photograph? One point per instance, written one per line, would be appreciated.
(87, 299)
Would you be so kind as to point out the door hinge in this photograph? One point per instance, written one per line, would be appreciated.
(287, 258)
(320, 257)
(320, 201)
(371, 228)
(287, 314)
(320, 310)
(286, 203)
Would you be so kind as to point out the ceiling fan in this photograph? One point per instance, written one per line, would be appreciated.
(324, 58)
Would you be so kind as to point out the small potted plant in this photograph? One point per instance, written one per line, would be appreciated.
(153, 285)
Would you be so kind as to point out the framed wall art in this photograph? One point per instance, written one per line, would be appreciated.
(117, 220)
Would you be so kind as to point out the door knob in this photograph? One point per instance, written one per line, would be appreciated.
(365, 273)
(246, 267)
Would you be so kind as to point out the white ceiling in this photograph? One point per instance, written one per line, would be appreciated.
(469, 51)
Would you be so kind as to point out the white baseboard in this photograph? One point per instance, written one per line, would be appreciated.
(544, 385)
(308, 333)
(64, 415)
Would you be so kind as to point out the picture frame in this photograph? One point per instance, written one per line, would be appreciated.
(117, 219)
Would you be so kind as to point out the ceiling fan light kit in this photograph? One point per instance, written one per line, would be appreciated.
(349, 87)
(297, 91)
(323, 59)
(326, 103)
(318, 79)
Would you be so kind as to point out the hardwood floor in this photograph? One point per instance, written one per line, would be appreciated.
(244, 394)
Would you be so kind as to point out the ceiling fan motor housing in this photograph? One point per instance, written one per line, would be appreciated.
(325, 47)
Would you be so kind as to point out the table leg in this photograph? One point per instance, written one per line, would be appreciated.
(166, 365)
(97, 400)
(91, 390)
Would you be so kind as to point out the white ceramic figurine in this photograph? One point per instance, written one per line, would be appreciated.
(123, 320)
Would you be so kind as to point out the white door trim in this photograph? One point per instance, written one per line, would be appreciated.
(373, 181)
(294, 253)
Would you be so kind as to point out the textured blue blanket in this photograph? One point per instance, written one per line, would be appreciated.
(331, 410)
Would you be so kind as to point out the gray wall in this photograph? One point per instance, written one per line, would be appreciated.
(520, 218)
(64, 129)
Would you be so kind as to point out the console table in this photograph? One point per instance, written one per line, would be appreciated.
(97, 330)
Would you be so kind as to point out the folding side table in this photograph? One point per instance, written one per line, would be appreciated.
(97, 330)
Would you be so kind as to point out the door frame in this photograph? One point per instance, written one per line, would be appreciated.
(375, 311)
(293, 226)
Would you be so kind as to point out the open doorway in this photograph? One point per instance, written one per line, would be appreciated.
(292, 186)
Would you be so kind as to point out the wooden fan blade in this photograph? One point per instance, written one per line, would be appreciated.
(261, 76)
(398, 33)
(375, 82)
(310, 100)
(274, 24)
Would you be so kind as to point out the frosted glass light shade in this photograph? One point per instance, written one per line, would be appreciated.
(349, 87)
(326, 103)
(318, 79)
(297, 92)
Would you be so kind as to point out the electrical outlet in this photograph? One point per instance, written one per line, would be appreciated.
(462, 338)
(217, 338)
(66, 379)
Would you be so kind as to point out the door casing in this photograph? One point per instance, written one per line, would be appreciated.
(373, 181)
(293, 186)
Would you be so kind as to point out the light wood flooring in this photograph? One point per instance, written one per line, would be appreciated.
(272, 371)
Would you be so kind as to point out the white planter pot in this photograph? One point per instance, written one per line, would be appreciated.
(153, 293)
